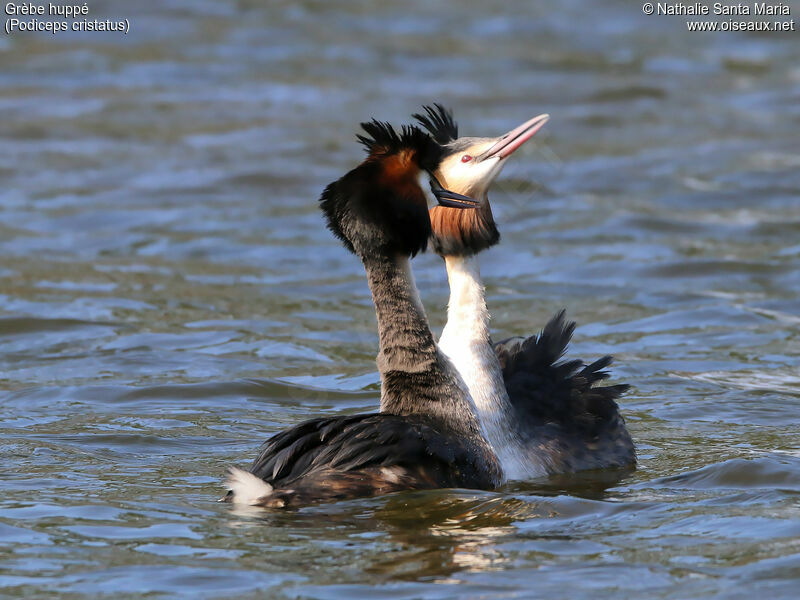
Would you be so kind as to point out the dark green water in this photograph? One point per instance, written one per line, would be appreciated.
(169, 296)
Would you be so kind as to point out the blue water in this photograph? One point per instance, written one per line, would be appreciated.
(169, 296)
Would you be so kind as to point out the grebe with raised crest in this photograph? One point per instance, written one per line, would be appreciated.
(541, 416)
(427, 434)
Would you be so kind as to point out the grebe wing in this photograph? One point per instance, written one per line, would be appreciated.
(336, 445)
(546, 391)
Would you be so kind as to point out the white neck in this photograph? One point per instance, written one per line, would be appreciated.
(467, 315)
(467, 342)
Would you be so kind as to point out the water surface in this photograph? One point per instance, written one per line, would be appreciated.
(169, 296)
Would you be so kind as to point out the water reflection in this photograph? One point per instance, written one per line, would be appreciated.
(438, 533)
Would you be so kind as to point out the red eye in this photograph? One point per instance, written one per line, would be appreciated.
(466, 158)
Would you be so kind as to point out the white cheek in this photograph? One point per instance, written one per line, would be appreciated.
(475, 173)
(454, 177)
(465, 173)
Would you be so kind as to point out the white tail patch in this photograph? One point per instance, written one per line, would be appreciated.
(392, 474)
(246, 487)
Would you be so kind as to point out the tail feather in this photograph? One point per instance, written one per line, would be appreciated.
(551, 343)
(246, 488)
(545, 387)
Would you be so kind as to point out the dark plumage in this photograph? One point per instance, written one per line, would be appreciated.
(379, 207)
(427, 434)
(382, 139)
(563, 398)
(439, 122)
(334, 458)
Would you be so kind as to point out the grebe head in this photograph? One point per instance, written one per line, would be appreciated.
(379, 207)
(468, 166)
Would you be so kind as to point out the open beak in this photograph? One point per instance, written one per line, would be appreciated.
(506, 144)
(448, 198)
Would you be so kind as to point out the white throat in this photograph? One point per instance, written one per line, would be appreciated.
(467, 342)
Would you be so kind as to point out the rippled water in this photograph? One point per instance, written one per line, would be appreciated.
(169, 296)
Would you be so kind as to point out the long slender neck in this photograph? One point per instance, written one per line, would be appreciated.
(406, 342)
(416, 377)
(467, 314)
(467, 342)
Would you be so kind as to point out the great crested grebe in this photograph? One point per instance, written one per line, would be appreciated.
(427, 434)
(541, 416)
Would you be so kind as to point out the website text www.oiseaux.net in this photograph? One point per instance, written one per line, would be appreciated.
(731, 25)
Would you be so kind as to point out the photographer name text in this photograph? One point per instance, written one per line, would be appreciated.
(698, 9)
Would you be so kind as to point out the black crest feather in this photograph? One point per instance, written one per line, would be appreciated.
(382, 138)
(439, 122)
(369, 212)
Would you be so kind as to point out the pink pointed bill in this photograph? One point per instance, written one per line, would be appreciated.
(508, 143)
